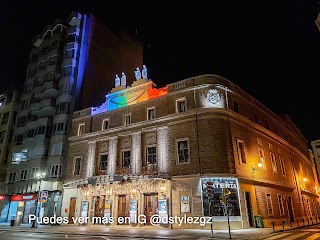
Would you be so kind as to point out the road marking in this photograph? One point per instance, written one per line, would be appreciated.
(30, 234)
(278, 236)
(313, 236)
(66, 236)
(295, 236)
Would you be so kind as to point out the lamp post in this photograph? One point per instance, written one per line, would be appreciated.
(253, 169)
(40, 176)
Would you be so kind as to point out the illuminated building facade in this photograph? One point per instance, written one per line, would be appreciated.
(64, 67)
(157, 151)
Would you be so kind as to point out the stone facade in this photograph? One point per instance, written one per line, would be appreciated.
(204, 128)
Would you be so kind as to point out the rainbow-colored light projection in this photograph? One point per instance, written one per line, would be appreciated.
(130, 96)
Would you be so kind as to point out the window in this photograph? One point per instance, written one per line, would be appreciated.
(70, 54)
(151, 155)
(28, 87)
(181, 105)
(241, 152)
(42, 65)
(63, 107)
(54, 45)
(55, 171)
(41, 130)
(151, 113)
(105, 124)
(269, 204)
(273, 163)
(33, 173)
(2, 135)
(24, 104)
(103, 162)
(183, 151)
(23, 174)
(12, 177)
(255, 118)
(30, 133)
(262, 158)
(56, 149)
(280, 201)
(52, 60)
(5, 117)
(19, 139)
(283, 170)
(267, 124)
(126, 161)
(81, 129)
(64, 88)
(127, 119)
(68, 71)
(72, 38)
(77, 166)
(235, 106)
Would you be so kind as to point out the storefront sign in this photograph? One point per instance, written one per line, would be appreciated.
(219, 184)
(133, 211)
(185, 204)
(23, 197)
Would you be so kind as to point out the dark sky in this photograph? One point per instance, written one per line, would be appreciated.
(268, 48)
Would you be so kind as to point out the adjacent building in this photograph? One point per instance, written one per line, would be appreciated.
(9, 107)
(176, 150)
(69, 65)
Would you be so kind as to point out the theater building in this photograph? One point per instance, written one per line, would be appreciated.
(149, 150)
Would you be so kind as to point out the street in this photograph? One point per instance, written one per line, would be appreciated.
(102, 233)
(309, 233)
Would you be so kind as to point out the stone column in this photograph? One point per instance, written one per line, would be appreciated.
(136, 153)
(91, 159)
(162, 150)
(112, 156)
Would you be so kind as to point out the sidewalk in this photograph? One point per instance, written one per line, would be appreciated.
(147, 232)
(140, 232)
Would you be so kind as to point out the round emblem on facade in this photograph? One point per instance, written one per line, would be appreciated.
(213, 96)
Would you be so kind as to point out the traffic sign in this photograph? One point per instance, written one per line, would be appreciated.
(43, 196)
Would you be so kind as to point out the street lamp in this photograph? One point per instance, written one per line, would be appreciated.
(40, 176)
(253, 169)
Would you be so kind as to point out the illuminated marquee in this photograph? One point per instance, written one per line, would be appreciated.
(130, 96)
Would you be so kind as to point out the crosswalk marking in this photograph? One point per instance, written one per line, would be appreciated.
(295, 236)
(278, 236)
(313, 236)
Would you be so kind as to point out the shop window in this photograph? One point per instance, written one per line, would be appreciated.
(280, 202)
(183, 155)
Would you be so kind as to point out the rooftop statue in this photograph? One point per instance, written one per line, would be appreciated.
(137, 73)
(117, 81)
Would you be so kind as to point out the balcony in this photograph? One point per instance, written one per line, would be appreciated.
(43, 108)
(74, 19)
(47, 90)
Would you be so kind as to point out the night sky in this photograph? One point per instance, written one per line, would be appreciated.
(270, 49)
